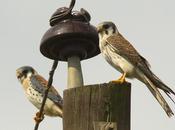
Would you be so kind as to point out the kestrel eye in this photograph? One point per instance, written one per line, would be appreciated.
(25, 72)
(106, 26)
(19, 76)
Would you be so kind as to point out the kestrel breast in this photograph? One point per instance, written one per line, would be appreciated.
(117, 61)
(34, 97)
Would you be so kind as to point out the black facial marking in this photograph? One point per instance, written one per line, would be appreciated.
(27, 69)
(25, 72)
(114, 29)
(106, 26)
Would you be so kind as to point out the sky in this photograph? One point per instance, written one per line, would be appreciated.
(147, 24)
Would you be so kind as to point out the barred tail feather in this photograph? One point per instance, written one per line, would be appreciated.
(162, 86)
(153, 88)
(168, 91)
(168, 94)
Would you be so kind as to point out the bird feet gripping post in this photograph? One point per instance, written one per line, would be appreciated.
(120, 80)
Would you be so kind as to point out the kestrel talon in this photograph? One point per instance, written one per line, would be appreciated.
(121, 55)
(34, 86)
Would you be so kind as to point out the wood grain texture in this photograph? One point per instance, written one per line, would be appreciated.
(105, 125)
(88, 104)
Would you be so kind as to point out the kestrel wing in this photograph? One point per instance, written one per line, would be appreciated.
(39, 84)
(122, 47)
(145, 61)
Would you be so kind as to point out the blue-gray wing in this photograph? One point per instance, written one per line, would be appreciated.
(40, 84)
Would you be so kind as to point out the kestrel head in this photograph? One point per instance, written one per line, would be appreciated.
(25, 72)
(106, 29)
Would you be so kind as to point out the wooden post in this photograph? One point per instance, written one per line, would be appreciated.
(85, 106)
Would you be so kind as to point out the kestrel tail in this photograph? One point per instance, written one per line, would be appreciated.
(120, 54)
(34, 86)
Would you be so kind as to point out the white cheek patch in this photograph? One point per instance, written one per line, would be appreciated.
(29, 74)
(111, 31)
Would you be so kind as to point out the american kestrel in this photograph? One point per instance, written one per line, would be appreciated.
(120, 54)
(34, 86)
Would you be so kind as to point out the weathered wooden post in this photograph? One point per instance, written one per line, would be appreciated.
(94, 107)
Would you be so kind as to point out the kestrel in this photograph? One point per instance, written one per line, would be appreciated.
(34, 86)
(120, 54)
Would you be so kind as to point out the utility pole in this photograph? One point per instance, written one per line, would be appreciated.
(97, 107)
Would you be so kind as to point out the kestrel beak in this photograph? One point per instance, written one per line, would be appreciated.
(18, 73)
(99, 28)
